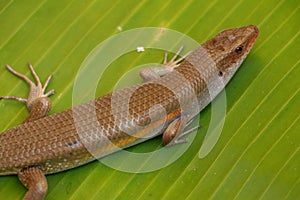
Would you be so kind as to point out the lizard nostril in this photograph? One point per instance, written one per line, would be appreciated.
(220, 74)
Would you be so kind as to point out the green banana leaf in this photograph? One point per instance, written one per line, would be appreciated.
(258, 153)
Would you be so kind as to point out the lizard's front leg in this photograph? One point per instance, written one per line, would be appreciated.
(152, 73)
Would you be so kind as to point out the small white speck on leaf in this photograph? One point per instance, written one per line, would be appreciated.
(119, 28)
(140, 49)
(59, 95)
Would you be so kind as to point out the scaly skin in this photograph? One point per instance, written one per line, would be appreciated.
(75, 136)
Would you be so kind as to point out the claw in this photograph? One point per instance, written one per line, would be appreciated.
(14, 98)
(27, 80)
(173, 62)
(35, 76)
(179, 139)
(37, 90)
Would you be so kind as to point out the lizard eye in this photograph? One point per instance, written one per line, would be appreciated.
(239, 49)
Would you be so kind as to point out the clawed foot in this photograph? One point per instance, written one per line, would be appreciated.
(37, 90)
(179, 139)
(153, 73)
(173, 134)
(173, 62)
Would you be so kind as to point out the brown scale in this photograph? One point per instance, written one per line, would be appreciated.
(145, 97)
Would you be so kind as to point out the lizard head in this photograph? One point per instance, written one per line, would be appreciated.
(229, 48)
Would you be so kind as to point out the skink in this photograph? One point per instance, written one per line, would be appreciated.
(46, 144)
